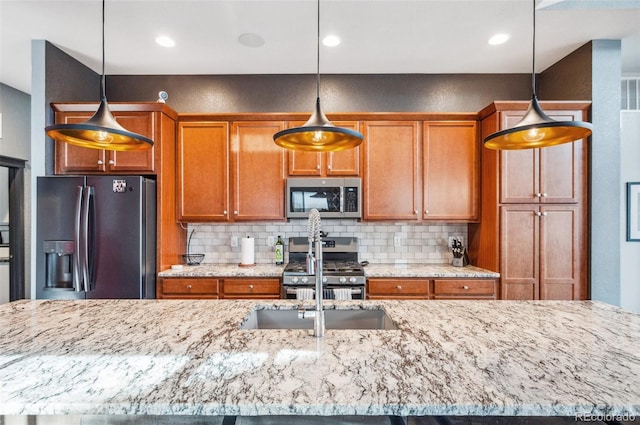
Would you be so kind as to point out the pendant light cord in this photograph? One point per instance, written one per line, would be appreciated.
(318, 55)
(533, 60)
(103, 94)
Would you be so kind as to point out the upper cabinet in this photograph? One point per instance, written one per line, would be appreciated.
(230, 171)
(545, 175)
(70, 159)
(390, 163)
(259, 168)
(450, 170)
(329, 164)
(203, 171)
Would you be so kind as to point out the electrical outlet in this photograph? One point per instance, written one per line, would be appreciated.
(234, 241)
(397, 241)
(458, 238)
(271, 240)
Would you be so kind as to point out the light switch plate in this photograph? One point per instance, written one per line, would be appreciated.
(234, 241)
(271, 240)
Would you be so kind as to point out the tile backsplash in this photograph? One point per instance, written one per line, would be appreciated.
(418, 242)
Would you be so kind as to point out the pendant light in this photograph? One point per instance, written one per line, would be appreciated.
(101, 131)
(536, 129)
(318, 134)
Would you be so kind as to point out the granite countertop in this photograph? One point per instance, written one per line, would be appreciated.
(189, 357)
(371, 270)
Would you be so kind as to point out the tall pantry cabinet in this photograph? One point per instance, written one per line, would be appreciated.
(533, 227)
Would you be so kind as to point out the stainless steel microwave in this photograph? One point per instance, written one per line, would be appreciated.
(333, 197)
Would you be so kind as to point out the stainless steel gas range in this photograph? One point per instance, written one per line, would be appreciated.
(340, 268)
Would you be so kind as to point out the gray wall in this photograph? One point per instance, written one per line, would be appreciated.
(338, 93)
(15, 109)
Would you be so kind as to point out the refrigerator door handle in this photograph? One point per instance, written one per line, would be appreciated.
(84, 237)
(77, 262)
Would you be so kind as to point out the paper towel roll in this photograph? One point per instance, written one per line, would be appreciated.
(247, 254)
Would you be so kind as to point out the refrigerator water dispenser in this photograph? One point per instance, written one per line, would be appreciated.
(59, 264)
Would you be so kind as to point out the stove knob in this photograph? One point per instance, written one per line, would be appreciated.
(295, 279)
(304, 279)
(324, 279)
(343, 280)
(352, 279)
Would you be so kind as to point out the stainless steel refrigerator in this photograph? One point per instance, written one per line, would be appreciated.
(96, 237)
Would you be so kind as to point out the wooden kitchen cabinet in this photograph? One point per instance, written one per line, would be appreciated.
(390, 164)
(450, 164)
(465, 289)
(259, 169)
(203, 171)
(538, 243)
(187, 288)
(544, 175)
(326, 164)
(71, 159)
(541, 255)
(261, 288)
(230, 171)
(397, 288)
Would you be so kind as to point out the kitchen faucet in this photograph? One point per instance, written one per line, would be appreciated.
(314, 235)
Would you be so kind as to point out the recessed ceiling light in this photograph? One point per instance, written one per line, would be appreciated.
(251, 40)
(498, 39)
(331, 40)
(165, 41)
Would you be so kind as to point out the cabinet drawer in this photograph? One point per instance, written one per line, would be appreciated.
(464, 287)
(398, 287)
(251, 287)
(190, 286)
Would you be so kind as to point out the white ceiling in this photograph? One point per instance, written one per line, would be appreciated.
(379, 36)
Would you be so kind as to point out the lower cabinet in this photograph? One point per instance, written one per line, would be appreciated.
(185, 288)
(438, 289)
(260, 288)
(392, 288)
(467, 289)
(217, 288)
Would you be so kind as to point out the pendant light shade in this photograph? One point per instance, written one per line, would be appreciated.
(536, 129)
(101, 131)
(318, 134)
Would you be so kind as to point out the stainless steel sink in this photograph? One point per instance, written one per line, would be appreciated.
(334, 319)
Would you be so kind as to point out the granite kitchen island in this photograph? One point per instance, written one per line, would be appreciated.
(190, 357)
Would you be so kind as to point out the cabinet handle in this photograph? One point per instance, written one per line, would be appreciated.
(235, 212)
(250, 286)
(465, 287)
(318, 167)
(224, 212)
(399, 287)
(544, 195)
(328, 166)
(538, 195)
(111, 162)
(544, 214)
(188, 286)
(415, 212)
(100, 162)
(426, 212)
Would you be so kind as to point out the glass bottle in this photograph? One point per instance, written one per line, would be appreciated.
(279, 251)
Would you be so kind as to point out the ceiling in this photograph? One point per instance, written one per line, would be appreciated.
(378, 36)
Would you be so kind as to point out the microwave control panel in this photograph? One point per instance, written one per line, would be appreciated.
(351, 199)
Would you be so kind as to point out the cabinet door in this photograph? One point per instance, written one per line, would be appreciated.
(185, 288)
(450, 170)
(303, 163)
(560, 253)
(203, 173)
(72, 159)
(134, 161)
(547, 175)
(259, 168)
(390, 150)
(347, 162)
(479, 289)
(519, 262)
